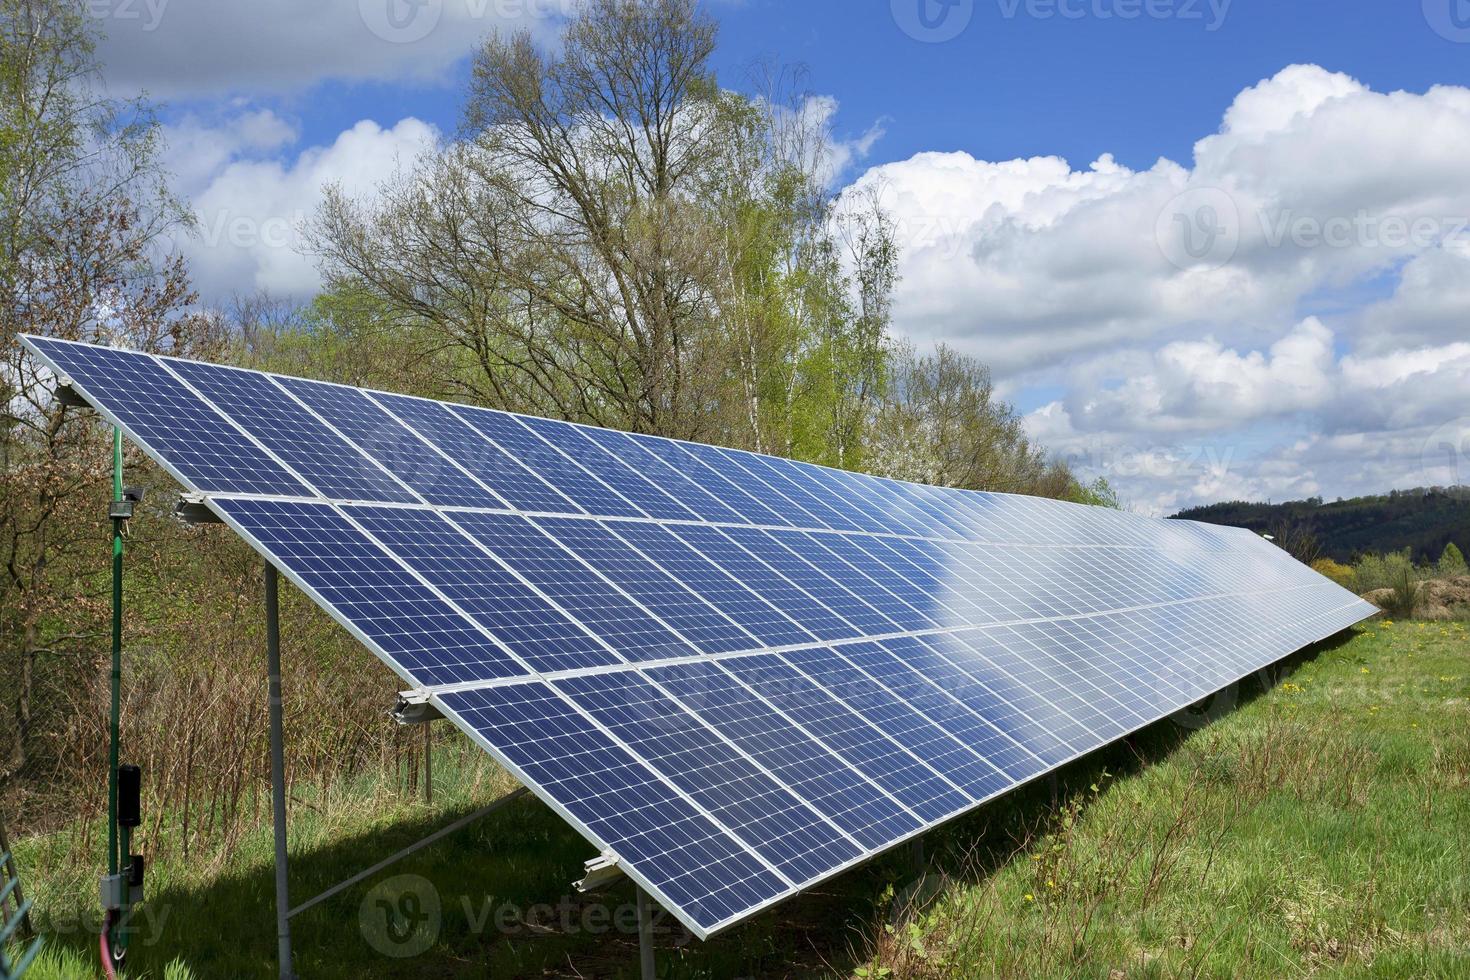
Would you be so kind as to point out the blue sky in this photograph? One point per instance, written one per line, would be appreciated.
(1044, 161)
(1021, 79)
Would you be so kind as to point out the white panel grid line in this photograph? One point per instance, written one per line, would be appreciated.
(476, 544)
(735, 747)
(401, 427)
(560, 809)
(757, 909)
(883, 735)
(274, 457)
(387, 473)
(938, 631)
(293, 469)
(460, 411)
(818, 740)
(100, 406)
(682, 591)
(860, 638)
(474, 435)
(674, 788)
(736, 583)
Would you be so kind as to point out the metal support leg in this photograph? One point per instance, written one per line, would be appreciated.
(916, 854)
(645, 935)
(428, 765)
(278, 772)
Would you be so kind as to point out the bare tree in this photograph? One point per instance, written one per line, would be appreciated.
(556, 244)
(942, 424)
(616, 239)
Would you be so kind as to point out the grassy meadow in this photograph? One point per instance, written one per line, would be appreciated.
(1316, 821)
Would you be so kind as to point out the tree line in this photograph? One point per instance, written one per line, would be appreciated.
(612, 237)
(1423, 521)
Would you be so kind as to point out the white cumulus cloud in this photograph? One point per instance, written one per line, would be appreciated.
(251, 190)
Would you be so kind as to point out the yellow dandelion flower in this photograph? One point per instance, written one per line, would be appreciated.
(1030, 897)
(1364, 670)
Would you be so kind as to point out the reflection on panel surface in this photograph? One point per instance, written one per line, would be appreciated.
(738, 674)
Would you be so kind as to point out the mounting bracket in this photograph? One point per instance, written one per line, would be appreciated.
(600, 871)
(191, 510)
(414, 708)
(68, 396)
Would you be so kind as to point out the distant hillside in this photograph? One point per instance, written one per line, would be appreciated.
(1424, 520)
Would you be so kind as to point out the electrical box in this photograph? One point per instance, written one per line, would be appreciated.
(129, 796)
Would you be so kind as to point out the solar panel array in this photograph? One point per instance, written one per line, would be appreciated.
(738, 674)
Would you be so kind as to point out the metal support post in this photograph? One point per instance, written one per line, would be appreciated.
(428, 765)
(916, 853)
(278, 772)
(645, 935)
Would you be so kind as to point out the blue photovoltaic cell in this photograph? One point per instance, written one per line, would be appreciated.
(816, 583)
(926, 740)
(433, 475)
(496, 469)
(764, 582)
(363, 584)
(969, 687)
(546, 461)
(171, 420)
(884, 663)
(656, 590)
(869, 512)
(947, 588)
(302, 442)
(811, 770)
(726, 464)
(682, 456)
(736, 673)
(783, 476)
(512, 611)
(836, 556)
(737, 598)
(784, 830)
(574, 442)
(862, 743)
(655, 470)
(681, 852)
(1008, 653)
(559, 575)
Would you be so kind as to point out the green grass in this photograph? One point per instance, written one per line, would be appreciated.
(1322, 826)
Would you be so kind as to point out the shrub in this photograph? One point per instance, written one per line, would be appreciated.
(1406, 594)
(1451, 563)
(1384, 571)
(1342, 574)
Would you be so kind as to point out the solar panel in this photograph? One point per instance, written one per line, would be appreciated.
(737, 674)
